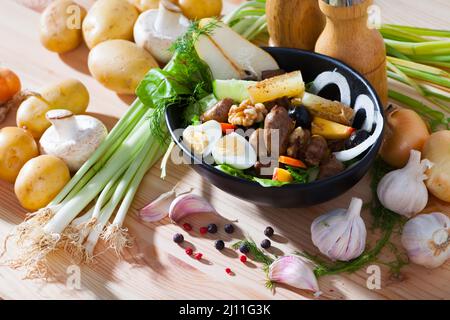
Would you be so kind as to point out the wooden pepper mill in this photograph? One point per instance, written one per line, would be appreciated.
(294, 23)
(347, 37)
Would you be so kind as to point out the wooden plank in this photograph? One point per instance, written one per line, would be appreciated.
(156, 268)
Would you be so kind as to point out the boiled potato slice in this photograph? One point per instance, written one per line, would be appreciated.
(286, 85)
(40, 180)
(17, 146)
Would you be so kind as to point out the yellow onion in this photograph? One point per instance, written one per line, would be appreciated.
(405, 131)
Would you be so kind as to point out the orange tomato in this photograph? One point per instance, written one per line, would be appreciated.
(9, 85)
(282, 175)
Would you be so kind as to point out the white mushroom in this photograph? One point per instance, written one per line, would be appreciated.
(155, 30)
(71, 138)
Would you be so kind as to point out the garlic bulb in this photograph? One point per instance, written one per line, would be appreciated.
(403, 191)
(341, 233)
(426, 238)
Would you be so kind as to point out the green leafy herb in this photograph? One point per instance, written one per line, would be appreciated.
(185, 80)
(269, 182)
(303, 175)
(234, 172)
(193, 112)
(241, 174)
(383, 219)
(257, 254)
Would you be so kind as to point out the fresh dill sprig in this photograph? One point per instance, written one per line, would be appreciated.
(383, 219)
(183, 81)
(257, 254)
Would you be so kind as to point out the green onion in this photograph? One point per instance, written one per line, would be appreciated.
(389, 32)
(418, 66)
(422, 48)
(434, 118)
(415, 73)
(420, 31)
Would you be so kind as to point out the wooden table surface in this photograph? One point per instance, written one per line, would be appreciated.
(156, 268)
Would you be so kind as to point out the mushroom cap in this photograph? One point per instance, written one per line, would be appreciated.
(146, 36)
(75, 152)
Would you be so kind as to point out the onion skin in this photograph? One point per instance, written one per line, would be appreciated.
(405, 131)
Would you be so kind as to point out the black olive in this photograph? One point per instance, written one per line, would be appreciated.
(356, 138)
(359, 119)
(301, 116)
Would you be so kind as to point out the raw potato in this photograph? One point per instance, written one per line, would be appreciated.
(437, 150)
(109, 19)
(69, 94)
(60, 26)
(40, 180)
(199, 9)
(120, 65)
(17, 146)
(144, 5)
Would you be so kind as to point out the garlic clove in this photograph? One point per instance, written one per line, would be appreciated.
(188, 204)
(403, 191)
(293, 271)
(340, 234)
(159, 208)
(426, 239)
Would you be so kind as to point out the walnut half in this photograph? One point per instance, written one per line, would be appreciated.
(246, 114)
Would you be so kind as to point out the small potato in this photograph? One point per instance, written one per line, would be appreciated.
(120, 65)
(40, 180)
(109, 19)
(17, 146)
(60, 26)
(437, 150)
(69, 94)
(144, 5)
(199, 9)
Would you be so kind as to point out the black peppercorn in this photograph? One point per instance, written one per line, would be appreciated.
(178, 238)
(212, 228)
(219, 244)
(229, 228)
(266, 244)
(244, 249)
(269, 232)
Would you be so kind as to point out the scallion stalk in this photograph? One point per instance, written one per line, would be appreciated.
(418, 74)
(421, 31)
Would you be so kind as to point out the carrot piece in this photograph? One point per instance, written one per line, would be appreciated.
(291, 162)
(227, 127)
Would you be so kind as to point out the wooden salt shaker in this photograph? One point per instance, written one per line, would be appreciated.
(294, 23)
(347, 37)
